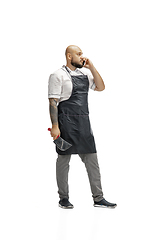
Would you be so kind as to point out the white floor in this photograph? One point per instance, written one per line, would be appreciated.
(47, 221)
(29, 208)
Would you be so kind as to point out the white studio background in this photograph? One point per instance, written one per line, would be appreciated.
(122, 39)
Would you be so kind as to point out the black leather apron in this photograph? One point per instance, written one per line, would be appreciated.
(73, 118)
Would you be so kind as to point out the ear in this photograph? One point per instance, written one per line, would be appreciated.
(69, 56)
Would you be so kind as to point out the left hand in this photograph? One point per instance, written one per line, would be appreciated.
(88, 64)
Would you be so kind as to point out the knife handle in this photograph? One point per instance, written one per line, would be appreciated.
(49, 129)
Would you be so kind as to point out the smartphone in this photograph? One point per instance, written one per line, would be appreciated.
(84, 62)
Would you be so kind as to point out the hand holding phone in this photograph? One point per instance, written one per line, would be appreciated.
(87, 63)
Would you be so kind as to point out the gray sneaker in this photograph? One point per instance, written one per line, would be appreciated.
(64, 203)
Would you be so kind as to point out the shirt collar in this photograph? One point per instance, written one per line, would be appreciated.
(76, 70)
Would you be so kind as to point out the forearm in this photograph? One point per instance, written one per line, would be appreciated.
(100, 86)
(53, 111)
(55, 132)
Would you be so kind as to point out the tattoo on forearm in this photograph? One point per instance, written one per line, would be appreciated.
(53, 110)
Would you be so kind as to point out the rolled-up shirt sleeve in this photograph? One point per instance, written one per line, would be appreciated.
(54, 86)
(92, 84)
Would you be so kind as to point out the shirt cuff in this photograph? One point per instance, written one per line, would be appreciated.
(93, 86)
(53, 96)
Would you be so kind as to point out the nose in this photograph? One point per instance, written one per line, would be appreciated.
(81, 57)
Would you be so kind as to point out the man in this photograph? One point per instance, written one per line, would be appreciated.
(68, 98)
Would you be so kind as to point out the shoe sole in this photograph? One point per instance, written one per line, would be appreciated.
(65, 207)
(102, 206)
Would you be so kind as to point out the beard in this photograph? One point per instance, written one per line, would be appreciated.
(77, 65)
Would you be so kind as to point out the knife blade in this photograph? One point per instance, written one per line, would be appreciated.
(61, 143)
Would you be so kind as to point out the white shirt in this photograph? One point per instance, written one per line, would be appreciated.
(60, 82)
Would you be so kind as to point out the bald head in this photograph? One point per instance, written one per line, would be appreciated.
(72, 49)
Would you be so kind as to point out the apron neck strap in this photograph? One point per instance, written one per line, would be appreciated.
(67, 70)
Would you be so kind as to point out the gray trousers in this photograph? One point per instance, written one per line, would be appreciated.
(91, 163)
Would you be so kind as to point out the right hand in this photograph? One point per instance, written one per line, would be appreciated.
(55, 132)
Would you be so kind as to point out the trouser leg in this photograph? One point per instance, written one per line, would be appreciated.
(91, 163)
(62, 169)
